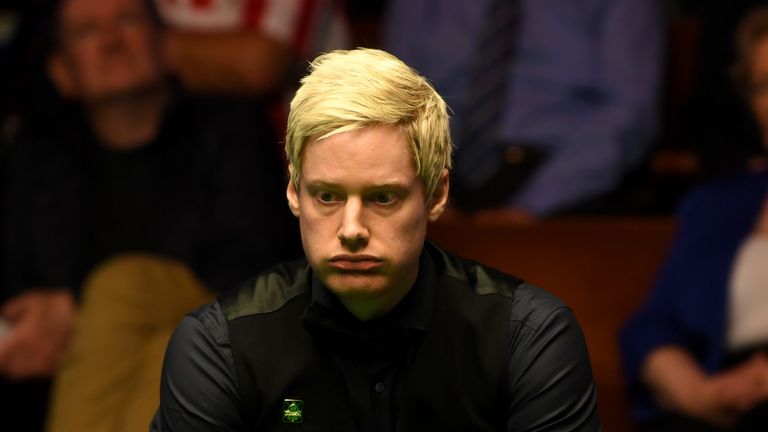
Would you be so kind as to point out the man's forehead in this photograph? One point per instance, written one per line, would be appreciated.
(323, 168)
(370, 157)
(386, 139)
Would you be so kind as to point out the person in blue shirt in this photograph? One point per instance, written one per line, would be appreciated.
(696, 353)
(579, 97)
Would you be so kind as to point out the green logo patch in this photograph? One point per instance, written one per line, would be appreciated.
(293, 411)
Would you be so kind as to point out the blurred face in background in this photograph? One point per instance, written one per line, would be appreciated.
(107, 49)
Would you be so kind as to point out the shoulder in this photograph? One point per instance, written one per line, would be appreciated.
(721, 209)
(199, 389)
(545, 359)
(269, 291)
(46, 164)
(200, 340)
(534, 308)
(221, 113)
(237, 134)
(49, 140)
(528, 304)
(208, 320)
(199, 334)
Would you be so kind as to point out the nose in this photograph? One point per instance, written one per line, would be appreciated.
(353, 232)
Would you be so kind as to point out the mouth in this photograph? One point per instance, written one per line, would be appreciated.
(355, 262)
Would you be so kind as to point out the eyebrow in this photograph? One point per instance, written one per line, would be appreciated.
(321, 184)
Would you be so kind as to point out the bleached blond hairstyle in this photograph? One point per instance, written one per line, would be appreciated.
(349, 90)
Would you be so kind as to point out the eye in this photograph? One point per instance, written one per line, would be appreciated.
(383, 198)
(327, 197)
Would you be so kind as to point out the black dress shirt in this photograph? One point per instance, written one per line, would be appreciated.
(372, 356)
(549, 379)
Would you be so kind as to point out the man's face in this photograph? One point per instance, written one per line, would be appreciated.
(108, 48)
(363, 212)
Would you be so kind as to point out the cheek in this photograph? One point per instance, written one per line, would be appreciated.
(760, 110)
(317, 231)
(406, 233)
(85, 60)
(144, 48)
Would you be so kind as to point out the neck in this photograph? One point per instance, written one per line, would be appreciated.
(366, 310)
(129, 121)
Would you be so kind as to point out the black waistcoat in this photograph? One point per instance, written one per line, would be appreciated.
(456, 380)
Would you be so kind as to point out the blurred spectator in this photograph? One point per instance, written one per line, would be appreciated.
(140, 200)
(24, 402)
(554, 104)
(696, 354)
(248, 46)
(715, 124)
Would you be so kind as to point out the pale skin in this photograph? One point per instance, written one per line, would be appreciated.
(363, 215)
(675, 377)
(107, 60)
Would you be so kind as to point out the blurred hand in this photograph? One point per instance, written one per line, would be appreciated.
(725, 397)
(42, 321)
(746, 385)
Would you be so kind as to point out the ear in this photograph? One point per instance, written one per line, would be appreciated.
(60, 72)
(439, 198)
(292, 195)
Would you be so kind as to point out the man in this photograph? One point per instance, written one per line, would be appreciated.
(146, 197)
(375, 330)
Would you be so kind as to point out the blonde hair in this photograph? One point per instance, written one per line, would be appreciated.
(349, 90)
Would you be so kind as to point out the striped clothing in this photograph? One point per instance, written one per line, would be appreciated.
(308, 26)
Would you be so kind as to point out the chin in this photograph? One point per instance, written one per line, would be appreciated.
(127, 84)
(356, 286)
